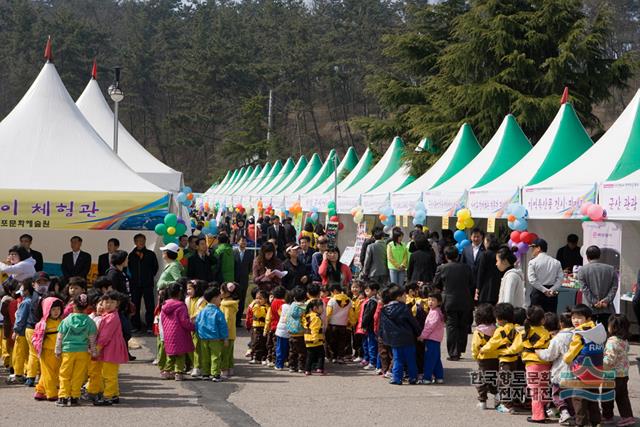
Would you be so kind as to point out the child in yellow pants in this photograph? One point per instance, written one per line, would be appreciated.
(21, 346)
(76, 336)
(95, 384)
(112, 346)
(44, 344)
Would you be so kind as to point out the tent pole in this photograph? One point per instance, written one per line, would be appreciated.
(335, 181)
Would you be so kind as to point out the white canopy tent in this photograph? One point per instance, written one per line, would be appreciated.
(324, 192)
(96, 110)
(372, 201)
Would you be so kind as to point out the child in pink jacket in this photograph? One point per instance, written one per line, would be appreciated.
(176, 328)
(432, 335)
(111, 346)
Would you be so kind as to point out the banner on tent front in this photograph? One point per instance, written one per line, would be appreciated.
(81, 210)
(346, 203)
(319, 201)
(620, 200)
(440, 203)
(405, 203)
(371, 203)
(607, 236)
(486, 203)
(290, 199)
(557, 202)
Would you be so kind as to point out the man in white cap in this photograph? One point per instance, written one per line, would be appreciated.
(173, 269)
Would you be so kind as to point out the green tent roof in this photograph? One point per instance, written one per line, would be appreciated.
(301, 164)
(277, 180)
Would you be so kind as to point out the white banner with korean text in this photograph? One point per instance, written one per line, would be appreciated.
(405, 203)
(347, 202)
(557, 202)
(371, 203)
(441, 203)
(487, 203)
(620, 200)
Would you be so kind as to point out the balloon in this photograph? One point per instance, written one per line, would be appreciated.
(314, 209)
(181, 197)
(181, 229)
(358, 218)
(382, 217)
(520, 224)
(387, 229)
(334, 218)
(584, 208)
(354, 211)
(186, 190)
(331, 212)
(510, 243)
(511, 218)
(459, 235)
(469, 223)
(515, 237)
(314, 216)
(169, 239)
(190, 196)
(391, 220)
(340, 226)
(170, 220)
(161, 229)
(595, 212)
(416, 221)
(463, 214)
(460, 225)
(524, 237)
(465, 243)
(213, 228)
(180, 255)
(517, 210)
(532, 238)
(171, 231)
(522, 248)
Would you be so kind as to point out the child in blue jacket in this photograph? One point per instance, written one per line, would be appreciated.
(212, 330)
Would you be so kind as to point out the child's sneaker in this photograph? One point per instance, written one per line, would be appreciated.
(16, 379)
(307, 373)
(102, 402)
(271, 365)
(74, 401)
(553, 413)
(264, 362)
(253, 362)
(178, 376)
(439, 381)
(216, 379)
(195, 373)
(481, 405)
(628, 421)
(320, 371)
(206, 377)
(565, 418)
(30, 382)
(357, 359)
(278, 368)
(364, 362)
(369, 367)
(62, 402)
(155, 361)
(293, 370)
(388, 375)
(378, 371)
(248, 353)
(504, 410)
(166, 375)
(39, 396)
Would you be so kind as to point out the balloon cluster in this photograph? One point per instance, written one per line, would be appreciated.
(240, 209)
(358, 214)
(185, 196)
(210, 228)
(420, 214)
(313, 215)
(269, 210)
(517, 217)
(335, 218)
(461, 238)
(592, 212)
(331, 208)
(521, 240)
(387, 218)
(464, 219)
(296, 208)
(172, 228)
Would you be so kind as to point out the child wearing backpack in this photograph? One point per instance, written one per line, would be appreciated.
(297, 348)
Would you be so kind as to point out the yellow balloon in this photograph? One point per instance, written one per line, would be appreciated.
(463, 214)
(180, 254)
(460, 225)
(171, 231)
(469, 223)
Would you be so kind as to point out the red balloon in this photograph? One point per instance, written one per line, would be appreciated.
(340, 226)
(532, 237)
(524, 237)
(334, 218)
(515, 237)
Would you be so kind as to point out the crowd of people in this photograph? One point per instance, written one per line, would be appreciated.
(308, 307)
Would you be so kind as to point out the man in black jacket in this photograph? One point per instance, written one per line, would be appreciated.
(77, 262)
(243, 258)
(289, 231)
(276, 231)
(25, 242)
(422, 264)
(200, 265)
(455, 280)
(104, 260)
(143, 266)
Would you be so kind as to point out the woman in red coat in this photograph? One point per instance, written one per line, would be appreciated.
(332, 270)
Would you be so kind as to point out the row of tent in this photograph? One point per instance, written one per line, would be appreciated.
(551, 179)
(54, 144)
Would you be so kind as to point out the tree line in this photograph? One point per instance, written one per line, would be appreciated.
(197, 74)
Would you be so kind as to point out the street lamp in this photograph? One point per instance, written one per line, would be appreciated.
(117, 95)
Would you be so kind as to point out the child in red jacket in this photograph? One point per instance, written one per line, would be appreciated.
(271, 322)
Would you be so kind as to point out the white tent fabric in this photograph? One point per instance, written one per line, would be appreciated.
(404, 200)
(96, 110)
(300, 166)
(290, 194)
(325, 171)
(47, 128)
(380, 197)
(249, 180)
(578, 181)
(450, 196)
(323, 193)
(241, 181)
(620, 198)
(495, 196)
(282, 175)
(266, 170)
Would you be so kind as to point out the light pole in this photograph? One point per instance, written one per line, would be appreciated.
(335, 180)
(117, 95)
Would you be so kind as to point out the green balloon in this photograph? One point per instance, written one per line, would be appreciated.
(332, 205)
(180, 229)
(161, 229)
(170, 220)
(331, 212)
(169, 239)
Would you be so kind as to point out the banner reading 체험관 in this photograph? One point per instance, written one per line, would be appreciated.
(81, 210)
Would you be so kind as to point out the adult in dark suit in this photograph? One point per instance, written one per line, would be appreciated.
(243, 258)
(76, 262)
(104, 260)
(305, 253)
(422, 263)
(143, 266)
(455, 280)
(25, 242)
(200, 265)
(471, 254)
(276, 231)
(289, 231)
(488, 276)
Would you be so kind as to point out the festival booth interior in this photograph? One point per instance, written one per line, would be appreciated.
(64, 180)
(462, 150)
(96, 110)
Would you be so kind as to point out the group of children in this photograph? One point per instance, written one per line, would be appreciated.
(64, 341)
(562, 366)
(394, 331)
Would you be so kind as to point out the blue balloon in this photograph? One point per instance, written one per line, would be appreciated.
(181, 197)
(213, 228)
(465, 243)
(459, 235)
(416, 221)
(186, 190)
(517, 210)
(420, 207)
(391, 219)
(520, 224)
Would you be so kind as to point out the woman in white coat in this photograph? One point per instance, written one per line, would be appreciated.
(512, 284)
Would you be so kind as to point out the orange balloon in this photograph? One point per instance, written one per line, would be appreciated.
(383, 217)
(190, 196)
(511, 218)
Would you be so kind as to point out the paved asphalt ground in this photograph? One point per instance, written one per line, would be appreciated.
(347, 396)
